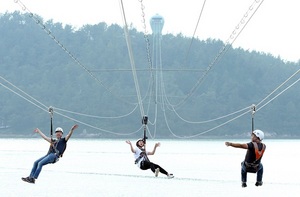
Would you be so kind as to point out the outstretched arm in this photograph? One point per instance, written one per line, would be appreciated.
(237, 145)
(37, 130)
(71, 132)
(154, 149)
(131, 147)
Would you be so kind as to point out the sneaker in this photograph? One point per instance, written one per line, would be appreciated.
(31, 180)
(156, 172)
(170, 176)
(244, 184)
(28, 180)
(258, 183)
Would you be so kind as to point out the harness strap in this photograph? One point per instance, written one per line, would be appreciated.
(251, 165)
(142, 155)
(138, 159)
(258, 153)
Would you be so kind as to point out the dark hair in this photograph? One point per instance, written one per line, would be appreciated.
(137, 142)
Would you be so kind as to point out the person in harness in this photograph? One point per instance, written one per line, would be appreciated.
(142, 160)
(252, 162)
(56, 150)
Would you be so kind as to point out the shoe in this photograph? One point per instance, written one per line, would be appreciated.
(32, 180)
(28, 180)
(258, 183)
(244, 184)
(170, 176)
(156, 172)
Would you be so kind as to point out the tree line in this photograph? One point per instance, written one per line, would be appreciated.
(89, 72)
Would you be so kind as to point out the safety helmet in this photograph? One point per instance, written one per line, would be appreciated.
(259, 134)
(137, 142)
(59, 129)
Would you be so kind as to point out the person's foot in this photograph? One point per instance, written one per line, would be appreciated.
(244, 184)
(28, 180)
(170, 176)
(156, 172)
(258, 183)
(31, 180)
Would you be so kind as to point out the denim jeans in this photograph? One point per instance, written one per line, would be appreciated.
(259, 173)
(38, 164)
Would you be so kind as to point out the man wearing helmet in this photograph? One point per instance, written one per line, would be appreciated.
(56, 150)
(252, 162)
(142, 161)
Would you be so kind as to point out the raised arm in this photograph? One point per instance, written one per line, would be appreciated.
(131, 147)
(37, 130)
(71, 132)
(154, 149)
(237, 145)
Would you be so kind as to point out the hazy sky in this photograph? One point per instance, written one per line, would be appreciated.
(272, 29)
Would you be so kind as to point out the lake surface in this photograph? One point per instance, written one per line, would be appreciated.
(106, 168)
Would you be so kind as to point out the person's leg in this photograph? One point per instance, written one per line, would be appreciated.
(243, 175)
(145, 165)
(34, 167)
(259, 175)
(44, 161)
(155, 166)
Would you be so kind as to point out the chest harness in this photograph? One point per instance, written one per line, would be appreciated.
(143, 155)
(253, 167)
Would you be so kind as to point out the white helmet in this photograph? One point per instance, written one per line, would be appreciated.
(259, 134)
(59, 129)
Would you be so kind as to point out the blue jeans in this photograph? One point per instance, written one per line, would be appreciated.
(38, 164)
(259, 173)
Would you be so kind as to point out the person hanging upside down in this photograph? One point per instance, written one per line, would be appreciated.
(142, 160)
(56, 150)
(252, 162)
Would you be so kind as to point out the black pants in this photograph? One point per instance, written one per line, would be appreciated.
(145, 165)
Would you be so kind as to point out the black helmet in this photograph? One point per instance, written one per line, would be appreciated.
(137, 142)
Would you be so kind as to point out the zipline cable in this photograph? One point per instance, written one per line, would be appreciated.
(129, 47)
(195, 30)
(128, 41)
(278, 94)
(46, 109)
(50, 34)
(297, 72)
(234, 35)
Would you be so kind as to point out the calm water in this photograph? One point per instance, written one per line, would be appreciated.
(105, 168)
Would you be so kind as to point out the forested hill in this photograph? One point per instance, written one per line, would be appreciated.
(198, 90)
